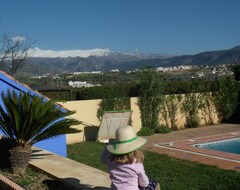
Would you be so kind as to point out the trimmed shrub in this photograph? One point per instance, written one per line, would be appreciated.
(145, 131)
(192, 122)
(162, 129)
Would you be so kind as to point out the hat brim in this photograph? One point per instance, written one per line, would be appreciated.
(126, 148)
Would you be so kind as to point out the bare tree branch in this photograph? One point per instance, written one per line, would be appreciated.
(14, 52)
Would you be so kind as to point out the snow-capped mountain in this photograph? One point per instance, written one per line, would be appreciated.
(40, 53)
(50, 61)
(65, 61)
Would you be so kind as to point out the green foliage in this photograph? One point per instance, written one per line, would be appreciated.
(150, 98)
(30, 119)
(110, 91)
(191, 105)
(60, 95)
(112, 104)
(162, 129)
(145, 131)
(192, 121)
(169, 110)
(226, 99)
(119, 90)
(180, 87)
(207, 107)
(26, 120)
(205, 99)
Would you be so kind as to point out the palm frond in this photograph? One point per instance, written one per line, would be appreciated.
(30, 119)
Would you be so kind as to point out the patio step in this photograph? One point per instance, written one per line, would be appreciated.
(73, 174)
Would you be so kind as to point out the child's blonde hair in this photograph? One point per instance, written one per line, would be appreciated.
(136, 156)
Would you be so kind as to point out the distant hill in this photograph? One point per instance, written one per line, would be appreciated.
(104, 60)
(211, 58)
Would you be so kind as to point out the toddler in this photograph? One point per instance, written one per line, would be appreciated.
(125, 161)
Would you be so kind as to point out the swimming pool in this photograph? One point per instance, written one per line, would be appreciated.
(228, 145)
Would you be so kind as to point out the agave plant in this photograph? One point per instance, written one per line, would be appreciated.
(26, 120)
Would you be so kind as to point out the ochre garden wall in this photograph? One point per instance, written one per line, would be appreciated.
(86, 111)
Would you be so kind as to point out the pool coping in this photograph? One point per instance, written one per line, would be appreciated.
(187, 146)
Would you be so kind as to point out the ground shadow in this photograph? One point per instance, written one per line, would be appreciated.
(36, 154)
(69, 184)
(54, 184)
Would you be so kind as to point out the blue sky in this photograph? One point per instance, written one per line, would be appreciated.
(151, 26)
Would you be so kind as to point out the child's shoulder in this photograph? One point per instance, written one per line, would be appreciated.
(136, 165)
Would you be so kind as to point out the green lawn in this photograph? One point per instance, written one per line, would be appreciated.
(172, 173)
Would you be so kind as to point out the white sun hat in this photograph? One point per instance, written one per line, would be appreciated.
(126, 141)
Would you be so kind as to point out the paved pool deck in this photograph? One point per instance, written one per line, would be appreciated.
(177, 144)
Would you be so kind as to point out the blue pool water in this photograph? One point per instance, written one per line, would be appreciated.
(229, 145)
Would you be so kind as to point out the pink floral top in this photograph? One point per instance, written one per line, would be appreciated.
(125, 176)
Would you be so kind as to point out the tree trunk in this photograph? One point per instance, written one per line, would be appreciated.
(19, 158)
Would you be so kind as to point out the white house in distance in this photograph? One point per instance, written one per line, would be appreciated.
(78, 84)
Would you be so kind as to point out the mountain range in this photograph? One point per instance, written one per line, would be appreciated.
(52, 62)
